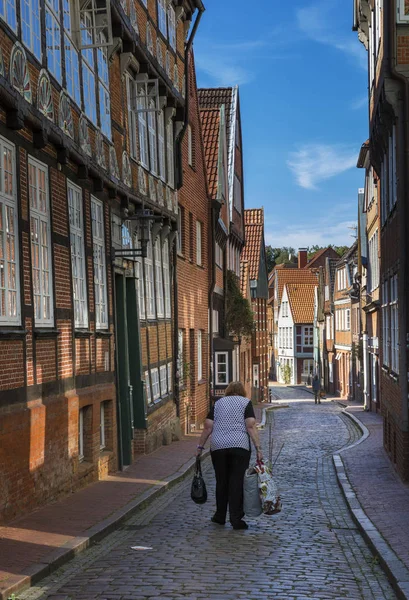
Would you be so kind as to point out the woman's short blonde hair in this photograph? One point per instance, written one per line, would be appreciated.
(235, 388)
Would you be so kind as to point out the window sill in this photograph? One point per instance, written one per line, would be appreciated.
(201, 382)
(44, 333)
(83, 333)
(102, 333)
(13, 334)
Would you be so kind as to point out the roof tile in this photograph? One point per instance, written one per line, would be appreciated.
(254, 230)
(301, 299)
(211, 129)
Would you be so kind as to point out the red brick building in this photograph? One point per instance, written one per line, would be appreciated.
(383, 28)
(81, 163)
(255, 254)
(194, 267)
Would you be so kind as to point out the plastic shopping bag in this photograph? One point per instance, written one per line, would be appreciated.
(198, 492)
(251, 494)
(270, 499)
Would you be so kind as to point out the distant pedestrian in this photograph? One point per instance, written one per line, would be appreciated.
(316, 387)
(231, 423)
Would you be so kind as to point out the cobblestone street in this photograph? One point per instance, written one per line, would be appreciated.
(310, 550)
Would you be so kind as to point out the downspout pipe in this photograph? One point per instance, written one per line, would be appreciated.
(403, 180)
(179, 138)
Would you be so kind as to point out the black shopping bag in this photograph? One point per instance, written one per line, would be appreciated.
(198, 491)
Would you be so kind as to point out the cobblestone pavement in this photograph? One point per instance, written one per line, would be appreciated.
(311, 550)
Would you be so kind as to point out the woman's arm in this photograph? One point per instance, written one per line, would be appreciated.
(207, 430)
(253, 433)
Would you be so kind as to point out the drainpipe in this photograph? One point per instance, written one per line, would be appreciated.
(175, 329)
(403, 179)
(366, 371)
(179, 139)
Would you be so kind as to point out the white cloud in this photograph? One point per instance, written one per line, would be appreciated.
(223, 72)
(313, 163)
(318, 22)
(302, 235)
(359, 103)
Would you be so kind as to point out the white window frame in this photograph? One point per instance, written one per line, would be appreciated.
(155, 384)
(72, 59)
(100, 273)
(153, 138)
(78, 259)
(31, 9)
(9, 218)
(53, 36)
(199, 355)
(149, 282)
(180, 354)
(88, 70)
(160, 305)
(10, 7)
(161, 147)
(148, 388)
(394, 324)
(402, 17)
(43, 218)
(166, 279)
(170, 154)
(172, 26)
(162, 20)
(143, 129)
(163, 377)
(103, 88)
(132, 117)
(217, 372)
(215, 321)
(170, 388)
(309, 336)
(219, 255)
(199, 243)
(309, 362)
(348, 319)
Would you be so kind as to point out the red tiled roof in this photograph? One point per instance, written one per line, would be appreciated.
(211, 130)
(244, 278)
(252, 249)
(296, 276)
(215, 98)
(331, 253)
(254, 216)
(301, 299)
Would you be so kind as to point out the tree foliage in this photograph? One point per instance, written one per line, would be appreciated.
(239, 315)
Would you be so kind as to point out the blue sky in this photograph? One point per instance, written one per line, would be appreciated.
(303, 89)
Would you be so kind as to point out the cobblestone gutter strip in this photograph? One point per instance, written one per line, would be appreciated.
(394, 568)
(266, 410)
(64, 553)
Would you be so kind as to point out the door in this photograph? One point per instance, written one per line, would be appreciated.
(124, 390)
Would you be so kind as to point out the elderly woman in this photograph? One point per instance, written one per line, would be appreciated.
(230, 423)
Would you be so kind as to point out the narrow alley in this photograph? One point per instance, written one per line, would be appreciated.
(312, 549)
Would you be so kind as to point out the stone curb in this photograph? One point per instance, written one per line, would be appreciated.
(262, 423)
(394, 568)
(63, 554)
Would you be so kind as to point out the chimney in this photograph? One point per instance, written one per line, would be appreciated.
(302, 258)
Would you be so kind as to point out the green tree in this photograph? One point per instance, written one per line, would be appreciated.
(239, 315)
(286, 373)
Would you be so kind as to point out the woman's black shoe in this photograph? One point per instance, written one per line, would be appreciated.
(216, 519)
(240, 525)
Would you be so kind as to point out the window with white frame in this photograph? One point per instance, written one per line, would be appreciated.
(79, 285)
(215, 326)
(172, 26)
(162, 17)
(180, 354)
(308, 366)
(237, 195)
(285, 309)
(308, 336)
(371, 49)
(385, 324)
(40, 232)
(163, 372)
(160, 308)
(394, 324)
(153, 145)
(155, 384)
(373, 262)
(341, 279)
(170, 154)
(132, 129)
(199, 355)
(149, 286)
(219, 255)
(103, 87)
(72, 70)
(148, 388)
(161, 146)
(9, 253)
(88, 69)
(170, 378)
(198, 243)
(8, 13)
(166, 279)
(143, 129)
(100, 274)
(389, 180)
(347, 319)
(403, 11)
(30, 24)
(53, 38)
(328, 327)
(222, 368)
